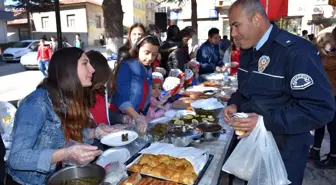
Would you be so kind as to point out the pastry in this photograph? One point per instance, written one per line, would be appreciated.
(172, 167)
(154, 162)
(145, 181)
(146, 169)
(181, 162)
(163, 158)
(188, 178)
(132, 180)
(157, 172)
(176, 177)
(135, 168)
(145, 159)
(162, 166)
(167, 173)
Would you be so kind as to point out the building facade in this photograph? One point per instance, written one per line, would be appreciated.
(134, 12)
(151, 6)
(4, 17)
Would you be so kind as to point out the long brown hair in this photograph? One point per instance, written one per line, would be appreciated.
(68, 96)
(133, 54)
(102, 76)
(128, 43)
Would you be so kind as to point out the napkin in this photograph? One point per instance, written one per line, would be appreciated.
(196, 157)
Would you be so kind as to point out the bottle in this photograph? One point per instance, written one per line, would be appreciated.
(226, 78)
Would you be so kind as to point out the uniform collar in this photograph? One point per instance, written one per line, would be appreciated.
(264, 38)
(264, 49)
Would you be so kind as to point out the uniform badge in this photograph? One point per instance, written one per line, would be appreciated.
(301, 81)
(263, 63)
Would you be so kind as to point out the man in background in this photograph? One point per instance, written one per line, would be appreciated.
(43, 57)
(208, 55)
(53, 44)
(78, 43)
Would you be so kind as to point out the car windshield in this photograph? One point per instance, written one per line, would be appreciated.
(21, 45)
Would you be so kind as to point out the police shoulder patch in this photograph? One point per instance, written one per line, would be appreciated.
(301, 81)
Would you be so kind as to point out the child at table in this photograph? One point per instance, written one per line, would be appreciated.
(189, 77)
(171, 87)
(194, 66)
(158, 105)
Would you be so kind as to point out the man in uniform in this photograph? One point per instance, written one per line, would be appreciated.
(282, 79)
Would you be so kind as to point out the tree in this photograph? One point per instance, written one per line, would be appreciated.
(113, 21)
(193, 16)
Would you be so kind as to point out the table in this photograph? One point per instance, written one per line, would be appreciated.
(218, 148)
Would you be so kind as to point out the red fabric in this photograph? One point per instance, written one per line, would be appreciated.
(235, 57)
(157, 80)
(99, 110)
(44, 53)
(156, 63)
(276, 8)
(144, 95)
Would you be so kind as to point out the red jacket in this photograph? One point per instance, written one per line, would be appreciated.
(98, 112)
(44, 53)
(235, 57)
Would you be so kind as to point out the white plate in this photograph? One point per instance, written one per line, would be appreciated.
(114, 139)
(181, 113)
(170, 113)
(163, 119)
(120, 155)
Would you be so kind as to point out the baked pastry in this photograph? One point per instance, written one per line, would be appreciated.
(154, 162)
(157, 172)
(145, 181)
(188, 178)
(163, 158)
(146, 169)
(145, 159)
(176, 177)
(132, 180)
(181, 162)
(167, 173)
(135, 168)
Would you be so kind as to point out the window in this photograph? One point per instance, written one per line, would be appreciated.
(71, 20)
(45, 22)
(98, 21)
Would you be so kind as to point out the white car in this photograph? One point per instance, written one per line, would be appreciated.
(28, 61)
(15, 52)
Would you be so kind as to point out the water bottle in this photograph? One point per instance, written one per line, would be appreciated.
(226, 78)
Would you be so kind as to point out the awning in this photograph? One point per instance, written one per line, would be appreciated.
(6, 16)
(275, 9)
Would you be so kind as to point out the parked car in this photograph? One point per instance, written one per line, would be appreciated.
(15, 52)
(28, 61)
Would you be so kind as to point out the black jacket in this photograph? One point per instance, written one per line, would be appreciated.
(2, 162)
(172, 56)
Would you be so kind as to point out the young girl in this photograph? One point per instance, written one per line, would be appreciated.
(158, 105)
(132, 83)
(54, 113)
(194, 66)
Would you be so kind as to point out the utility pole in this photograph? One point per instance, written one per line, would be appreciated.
(58, 24)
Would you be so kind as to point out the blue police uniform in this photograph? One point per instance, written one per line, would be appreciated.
(283, 80)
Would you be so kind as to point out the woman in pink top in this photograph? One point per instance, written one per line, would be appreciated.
(158, 105)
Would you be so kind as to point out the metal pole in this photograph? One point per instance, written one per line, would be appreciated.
(58, 24)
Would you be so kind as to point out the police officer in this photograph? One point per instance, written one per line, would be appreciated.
(281, 78)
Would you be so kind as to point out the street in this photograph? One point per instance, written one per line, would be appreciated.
(16, 82)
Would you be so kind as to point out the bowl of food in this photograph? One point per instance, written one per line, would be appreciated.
(208, 107)
(211, 131)
(183, 135)
(91, 174)
(158, 132)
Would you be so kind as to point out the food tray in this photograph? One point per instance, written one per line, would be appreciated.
(198, 179)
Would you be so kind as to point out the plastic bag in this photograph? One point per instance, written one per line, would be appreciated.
(257, 159)
(7, 113)
(115, 172)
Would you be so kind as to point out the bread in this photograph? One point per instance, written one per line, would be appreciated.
(163, 166)
(135, 168)
(134, 179)
(146, 169)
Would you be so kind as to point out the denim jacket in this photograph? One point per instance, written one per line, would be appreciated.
(129, 91)
(37, 134)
